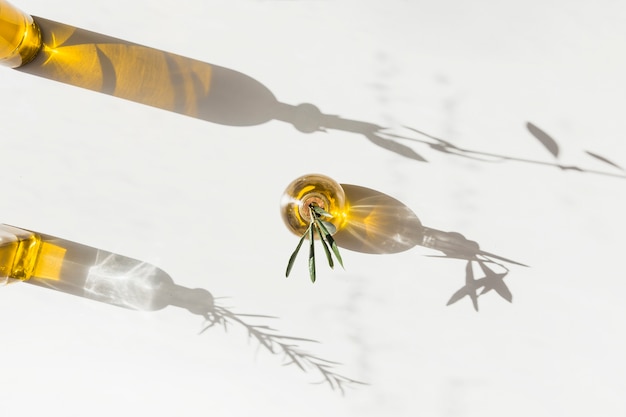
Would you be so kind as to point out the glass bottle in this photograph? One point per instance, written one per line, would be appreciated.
(88, 272)
(20, 37)
(19, 251)
(312, 189)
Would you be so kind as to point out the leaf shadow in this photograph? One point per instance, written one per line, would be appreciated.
(381, 224)
(546, 140)
(132, 284)
(220, 95)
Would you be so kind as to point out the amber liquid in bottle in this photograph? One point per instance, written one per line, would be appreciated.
(20, 38)
(73, 268)
(23, 255)
(315, 189)
(19, 250)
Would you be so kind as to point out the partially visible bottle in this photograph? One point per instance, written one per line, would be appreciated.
(20, 37)
(88, 272)
(21, 252)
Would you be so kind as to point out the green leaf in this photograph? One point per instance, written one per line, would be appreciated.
(294, 254)
(321, 212)
(335, 249)
(326, 250)
(329, 227)
(331, 242)
(312, 253)
(323, 227)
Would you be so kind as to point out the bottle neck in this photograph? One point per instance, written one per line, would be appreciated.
(450, 243)
(196, 300)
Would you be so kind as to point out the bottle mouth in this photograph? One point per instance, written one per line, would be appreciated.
(315, 190)
(312, 199)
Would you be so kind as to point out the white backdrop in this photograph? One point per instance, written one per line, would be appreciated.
(199, 199)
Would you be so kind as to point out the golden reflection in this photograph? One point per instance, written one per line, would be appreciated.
(122, 69)
(51, 262)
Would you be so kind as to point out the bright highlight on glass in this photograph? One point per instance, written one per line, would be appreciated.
(20, 38)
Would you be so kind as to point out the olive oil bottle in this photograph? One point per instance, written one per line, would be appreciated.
(20, 37)
(312, 189)
(23, 254)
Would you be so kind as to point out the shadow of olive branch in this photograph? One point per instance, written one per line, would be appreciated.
(135, 72)
(381, 224)
(491, 281)
(121, 281)
(459, 247)
(386, 136)
(307, 118)
(275, 343)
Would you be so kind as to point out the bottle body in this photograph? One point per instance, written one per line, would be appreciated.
(312, 189)
(24, 254)
(77, 269)
(19, 250)
(20, 37)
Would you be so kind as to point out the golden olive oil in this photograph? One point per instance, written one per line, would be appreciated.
(20, 38)
(23, 255)
(312, 189)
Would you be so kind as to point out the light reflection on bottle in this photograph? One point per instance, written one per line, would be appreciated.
(20, 37)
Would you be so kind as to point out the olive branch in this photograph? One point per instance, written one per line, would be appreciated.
(324, 230)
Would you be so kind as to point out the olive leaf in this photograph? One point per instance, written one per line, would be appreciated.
(329, 257)
(329, 226)
(324, 230)
(335, 249)
(320, 211)
(331, 242)
(312, 254)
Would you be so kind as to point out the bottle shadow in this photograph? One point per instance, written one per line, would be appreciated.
(216, 94)
(118, 280)
(380, 224)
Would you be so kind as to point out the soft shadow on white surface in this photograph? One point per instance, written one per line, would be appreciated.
(380, 224)
(221, 95)
(125, 282)
(168, 189)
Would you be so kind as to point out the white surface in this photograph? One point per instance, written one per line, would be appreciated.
(175, 191)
